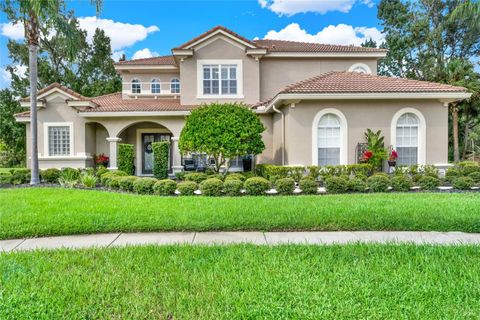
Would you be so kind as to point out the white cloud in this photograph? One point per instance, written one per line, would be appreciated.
(340, 34)
(116, 55)
(292, 7)
(6, 78)
(121, 34)
(144, 53)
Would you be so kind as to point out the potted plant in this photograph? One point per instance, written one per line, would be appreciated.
(102, 160)
(392, 158)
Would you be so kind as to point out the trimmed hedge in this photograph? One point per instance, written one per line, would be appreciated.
(126, 183)
(308, 185)
(161, 153)
(126, 158)
(5, 178)
(401, 183)
(256, 186)
(144, 185)
(165, 187)
(336, 185)
(285, 186)
(196, 177)
(50, 175)
(211, 187)
(463, 183)
(107, 176)
(429, 183)
(114, 183)
(232, 187)
(235, 176)
(357, 185)
(379, 182)
(20, 176)
(187, 188)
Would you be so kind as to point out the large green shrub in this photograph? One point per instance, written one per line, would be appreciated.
(357, 185)
(475, 176)
(107, 176)
(126, 158)
(308, 185)
(285, 186)
(401, 183)
(378, 182)
(187, 188)
(429, 183)
(196, 177)
(256, 186)
(126, 182)
(232, 187)
(114, 183)
(463, 183)
(235, 176)
(20, 176)
(5, 178)
(144, 185)
(452, 174)
(161, 154)
(211, 187)
(50, 175)
(165, 187)
(336, 185)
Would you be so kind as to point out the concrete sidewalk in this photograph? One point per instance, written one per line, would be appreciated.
(222, 238)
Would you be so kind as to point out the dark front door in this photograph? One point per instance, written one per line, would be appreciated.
(147, 150)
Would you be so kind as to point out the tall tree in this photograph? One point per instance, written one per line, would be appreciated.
(12, 133)
(34, 15)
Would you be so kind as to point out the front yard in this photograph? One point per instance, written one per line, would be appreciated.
(31, 212)
(243, 282)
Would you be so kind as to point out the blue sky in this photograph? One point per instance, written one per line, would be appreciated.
(148, 28)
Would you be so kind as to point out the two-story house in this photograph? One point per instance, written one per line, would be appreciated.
(315, 100)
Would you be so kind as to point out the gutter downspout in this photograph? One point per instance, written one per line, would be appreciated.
(274, 108)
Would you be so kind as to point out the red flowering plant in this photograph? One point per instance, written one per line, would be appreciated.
(367, 155)
(393, 155)
(102, 160)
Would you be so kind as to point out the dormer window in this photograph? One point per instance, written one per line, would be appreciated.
(219, 79)
(175, 86)
(136, 86)
(155, 86)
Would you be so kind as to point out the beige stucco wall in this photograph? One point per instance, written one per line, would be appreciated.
(276, 73)
(376, 115)
(146, 78)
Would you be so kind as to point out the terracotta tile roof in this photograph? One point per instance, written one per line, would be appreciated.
(59, 86)
(353, 82)
(162, 60)
(295, 46)
(186, 44)
(24, 114)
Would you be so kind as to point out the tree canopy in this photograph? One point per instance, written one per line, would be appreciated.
(223, 131)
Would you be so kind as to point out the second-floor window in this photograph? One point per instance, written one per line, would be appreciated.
(175, 86)
(220, 79)
(155, 86)
(136, 86)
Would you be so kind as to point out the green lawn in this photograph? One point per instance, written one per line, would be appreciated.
(243, 282)
(56, 211)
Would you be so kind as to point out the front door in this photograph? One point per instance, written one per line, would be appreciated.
(147, 150)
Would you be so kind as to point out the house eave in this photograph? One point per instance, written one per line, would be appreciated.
(126, 67)
(377, 55)
(115, 114)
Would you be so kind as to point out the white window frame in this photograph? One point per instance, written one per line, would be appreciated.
(46, 142)
(422, 132)
(179, 86)
(155, 81)
(134, 82)
(201, 63)
(343, 135)
(360, 65)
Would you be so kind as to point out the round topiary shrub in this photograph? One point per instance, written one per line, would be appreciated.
(475, 176)
(144, 185)
(105, 178)
(256, 186)
(235, 176)
(401, 183)
(285, 186)
(196, 177)
(126, 182)
(114, 183)
(165, 187)
(211, 187)
(429, 183)
(232, 187)
(336, 185)
(308, 185)
(463, 183)
(187, 188)
(361, 176)
(356, 185)
(50, 175)
(379, 182)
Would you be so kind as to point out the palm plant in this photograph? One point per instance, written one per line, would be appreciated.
(376, 148)
(36, 15)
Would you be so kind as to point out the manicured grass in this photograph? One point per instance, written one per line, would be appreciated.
(243, 282)
(55, 211)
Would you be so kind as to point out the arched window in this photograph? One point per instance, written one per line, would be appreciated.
(360, 68)
(136, 86)
(155, 86)
(175, 86)
(407, 141)
(329, 140)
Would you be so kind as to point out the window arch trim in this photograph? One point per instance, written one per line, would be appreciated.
(422, 132)
(360, 65)
(176, 81)
(343, 135)
(158, 82)
(137, 84)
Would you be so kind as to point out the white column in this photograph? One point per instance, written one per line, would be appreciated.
(113, 152)
(176, 158)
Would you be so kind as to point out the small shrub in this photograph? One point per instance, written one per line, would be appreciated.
(50, 175)
(232, 187)
(165, 187)
(218, 176)
(256, 186)
(429, 183)
(452, 174)
(105, 178)
(364, 169)
(126, 158)
(114, 183)
(308, 185)
(475, 176)
(356, 185)
(144, 185)
(285, 186)
(180, 175)
(401, 183)
(235, 176)
(296, 173)
(379, 182)
(88, 180)
(211, 187)
(20, 176)
(101, 170)
(361, 177)
(187, 188)
(313, 172)
(470, 168)
(68, 178)
(5, 178)
(196, 177)
(71, 172)
(417, 177)
(161, 153)
(463, 183)
(336, 185)
(126, 183)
